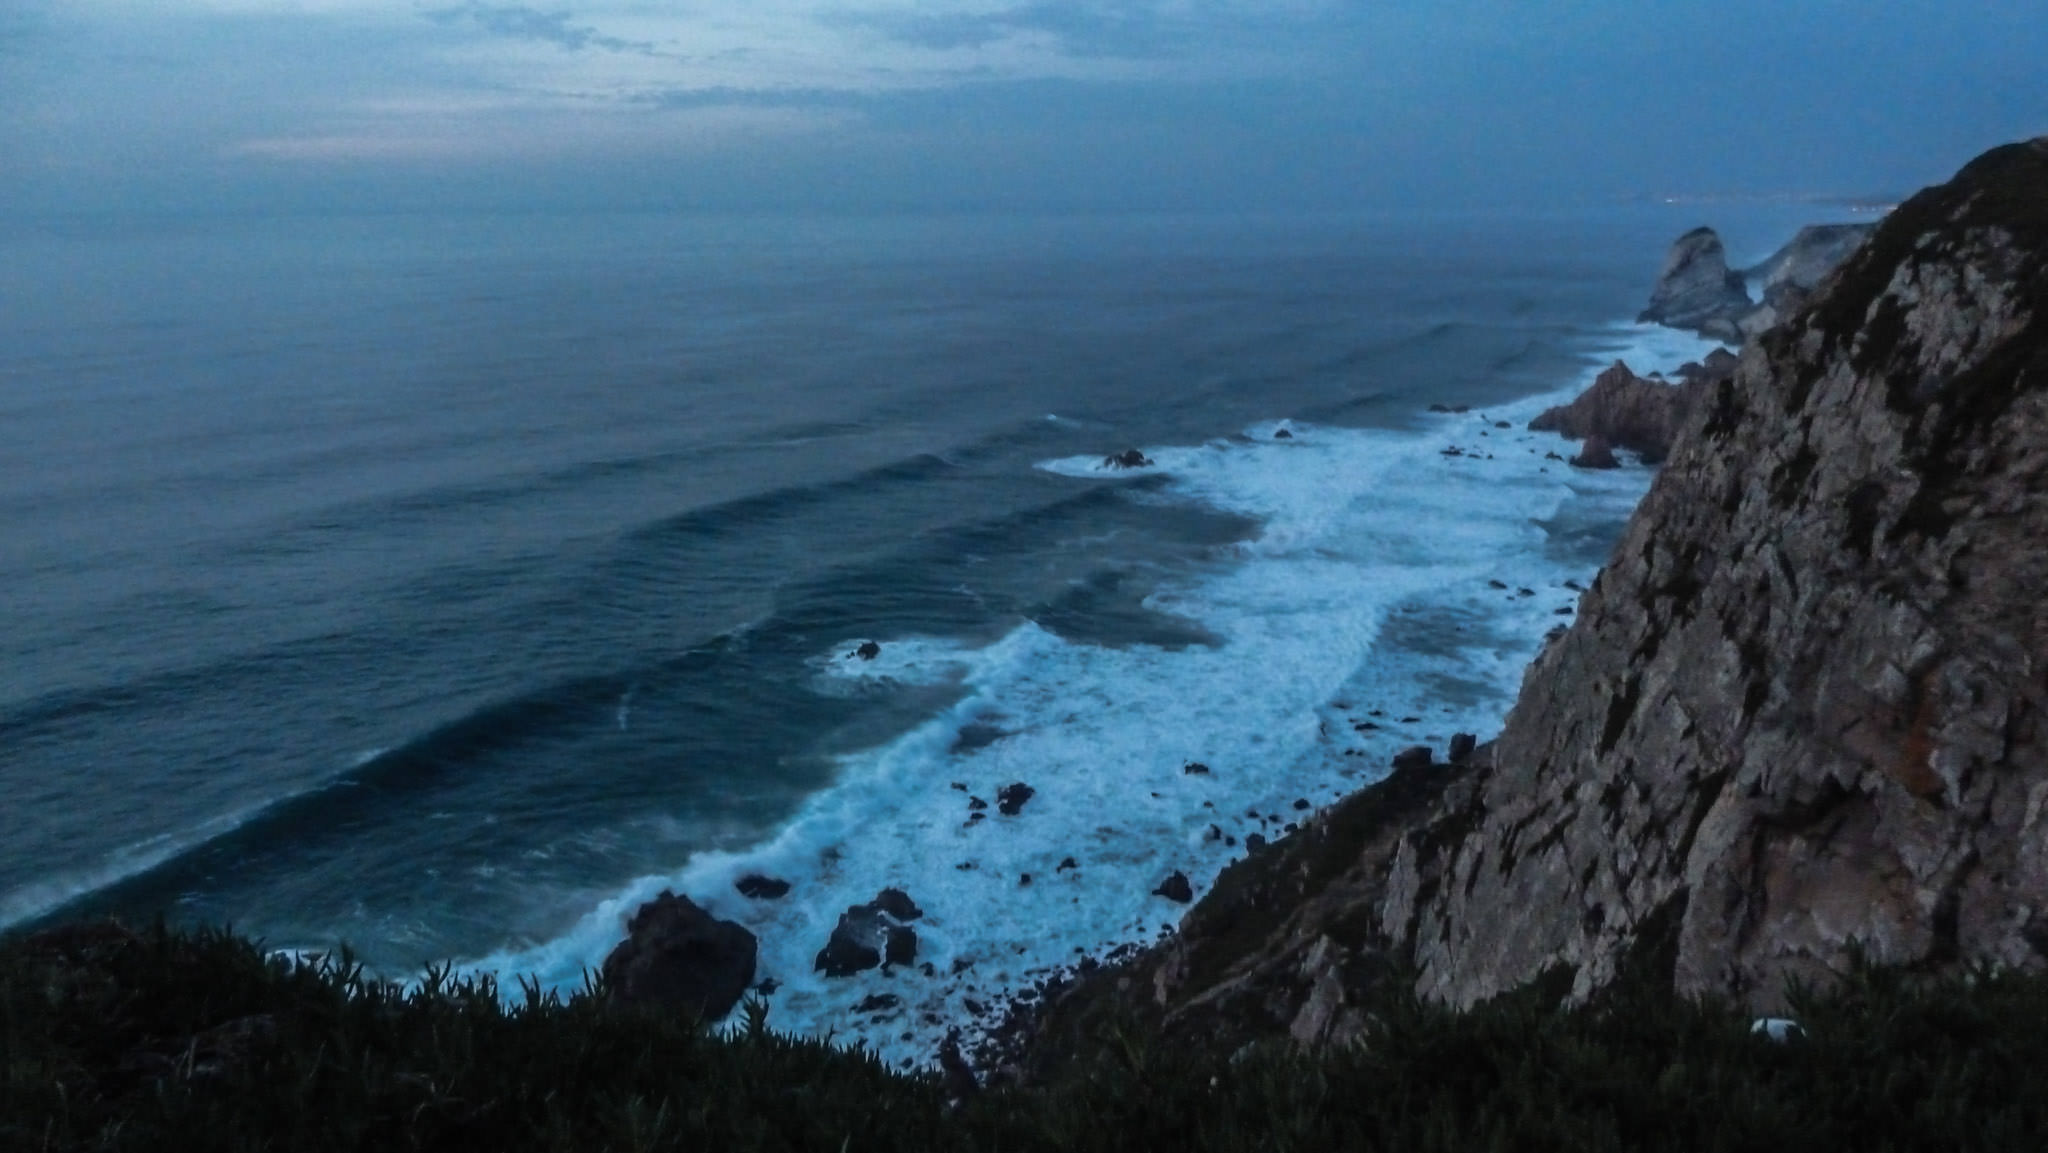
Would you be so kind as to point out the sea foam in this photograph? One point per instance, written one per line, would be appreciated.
(1365, 598)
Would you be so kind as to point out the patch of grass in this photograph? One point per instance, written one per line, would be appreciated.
(199, 1040)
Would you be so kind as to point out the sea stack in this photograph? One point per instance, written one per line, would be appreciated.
(1697, 290)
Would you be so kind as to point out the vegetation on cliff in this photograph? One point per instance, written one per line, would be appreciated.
(200, 1040)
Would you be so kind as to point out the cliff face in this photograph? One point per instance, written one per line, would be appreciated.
(1803, 705)
(1804, 708)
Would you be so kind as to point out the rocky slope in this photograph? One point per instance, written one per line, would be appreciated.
(1800, 713)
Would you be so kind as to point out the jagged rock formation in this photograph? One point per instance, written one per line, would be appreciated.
(1804, 709)
(1697, 290)
(1626, 411)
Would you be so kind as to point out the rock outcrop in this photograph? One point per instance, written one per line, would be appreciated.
(1802, 712)
(1697, 290)
(1625, 411)
(678, 957)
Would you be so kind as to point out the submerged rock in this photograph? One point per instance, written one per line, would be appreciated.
(677, 956)
(1128, 458)
(756, 887)
(1176, 888)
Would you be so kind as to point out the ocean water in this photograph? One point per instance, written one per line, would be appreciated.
(449, 585)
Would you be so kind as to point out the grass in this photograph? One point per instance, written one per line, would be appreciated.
(200, 1040)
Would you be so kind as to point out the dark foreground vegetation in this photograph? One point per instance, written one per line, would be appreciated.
(199, 1040)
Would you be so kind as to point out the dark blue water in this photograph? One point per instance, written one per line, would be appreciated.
(423, 582)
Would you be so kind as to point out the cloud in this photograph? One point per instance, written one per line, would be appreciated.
(1131, 31)
(520, 22)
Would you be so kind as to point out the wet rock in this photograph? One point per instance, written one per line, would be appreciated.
(867, 651)
(1194, 768)
(1301, 803)
(1065, 864)
(1010, 798)
(678, 957)
(1283, 434)
(756, 887)
(897, 904)
(871, 935)
(1253, 842)
(1595, 453)
(1496, 584)
(976, 804)
(1129, 458)
(1462, 745)
(878, 1002)
(1176, 888)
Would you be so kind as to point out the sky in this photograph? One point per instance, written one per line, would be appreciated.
(879, 105)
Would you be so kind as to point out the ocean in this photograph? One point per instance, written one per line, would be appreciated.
(449, 585)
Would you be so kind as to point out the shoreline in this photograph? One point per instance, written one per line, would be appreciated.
(962, 981)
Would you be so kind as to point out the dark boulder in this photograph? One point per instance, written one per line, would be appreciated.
(897, 904)
(756, 887)
(865, 938)
(1128, 458)
(1462, 745)
(1283, 434)
(867, 651)
(678, 957)
(1010, 798)
(1414, 757)
(1176, 888)
(1194, 768)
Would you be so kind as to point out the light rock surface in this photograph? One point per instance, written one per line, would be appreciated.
(1697, 290)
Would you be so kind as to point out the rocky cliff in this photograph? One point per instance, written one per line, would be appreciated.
(1803, 711)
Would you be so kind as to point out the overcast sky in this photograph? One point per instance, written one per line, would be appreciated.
(881, 104)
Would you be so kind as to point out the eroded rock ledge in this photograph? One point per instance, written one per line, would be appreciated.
(1801, 711)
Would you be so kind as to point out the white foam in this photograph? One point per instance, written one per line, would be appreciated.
(1360, 530)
